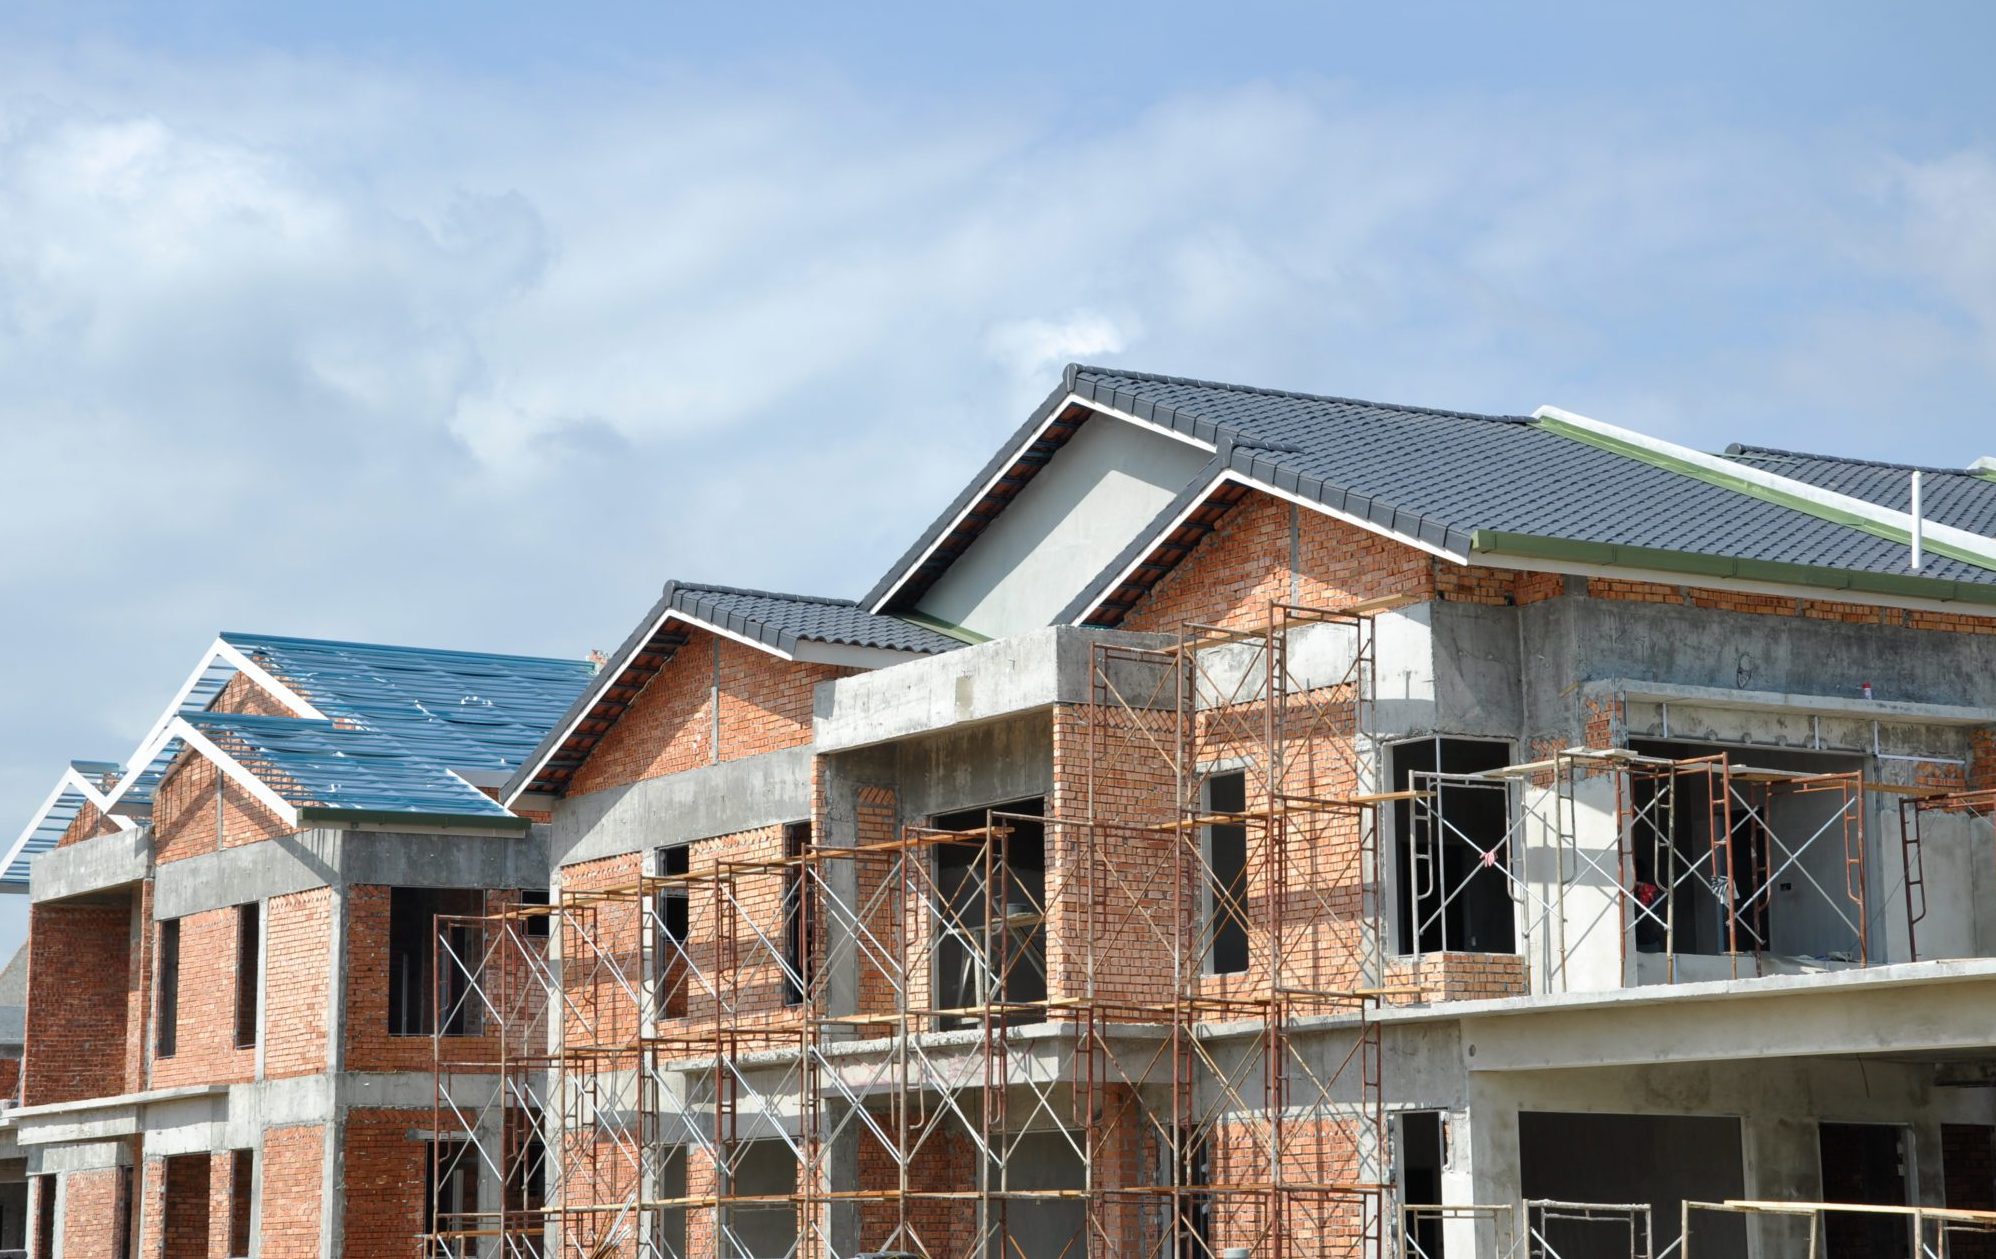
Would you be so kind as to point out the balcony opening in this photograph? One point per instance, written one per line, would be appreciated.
(1452, 857)
(430, 963)
(1756, 866)
(991, 945)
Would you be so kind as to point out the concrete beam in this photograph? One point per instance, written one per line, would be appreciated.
(1914, 1009)
(679, 808)
(339, 858)
(93, 865)
(981, 683)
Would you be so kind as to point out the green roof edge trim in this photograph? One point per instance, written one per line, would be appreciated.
(509, 824)
(1766, 494)
(940, 626)
(1691, 563)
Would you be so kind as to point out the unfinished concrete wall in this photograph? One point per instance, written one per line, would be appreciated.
(1105, 484)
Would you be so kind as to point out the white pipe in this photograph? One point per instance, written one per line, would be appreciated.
(1918, 523)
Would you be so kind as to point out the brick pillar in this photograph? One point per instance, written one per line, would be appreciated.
(702, 1180)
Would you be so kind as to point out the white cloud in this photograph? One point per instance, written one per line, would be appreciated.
(320, 348)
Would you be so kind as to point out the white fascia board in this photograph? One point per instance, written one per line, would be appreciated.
(225, 653)
(14, 850)
(291, 699)
(1974, 543)
(184, 730)
(1575, 568)
(1071, 400)
(582, 714)
(670, 614)
(1232, 477)
(852, 656)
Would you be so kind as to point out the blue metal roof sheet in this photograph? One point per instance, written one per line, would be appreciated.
(322, 764)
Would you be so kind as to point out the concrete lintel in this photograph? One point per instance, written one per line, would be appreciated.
(979, 683)
(700, 803)
(337, 857)
(1901, 712)
(93, 865)
(1914, 1008)
(390, 1090)
(79, 1156)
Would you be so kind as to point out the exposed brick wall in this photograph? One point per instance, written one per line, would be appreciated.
(292, 1167)
(185, 1229)
(87, 824)
(765, 705)
(197, 809)
(382, 1175)
(369, 1046)
(205, 1043)
(89, 1222)
(1982, 759)
(600, 950)
(1237, 570)
(78, 987)
(297, 981)
(1458, 977)
(10, 1079)
(139, 984)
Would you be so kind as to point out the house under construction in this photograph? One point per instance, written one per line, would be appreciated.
(1244, 824)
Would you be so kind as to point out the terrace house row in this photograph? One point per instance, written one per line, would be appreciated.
(1243, 821)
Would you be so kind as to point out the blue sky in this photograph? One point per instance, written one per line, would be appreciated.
(469, 325)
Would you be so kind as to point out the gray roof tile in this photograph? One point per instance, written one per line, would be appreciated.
(1961, 498)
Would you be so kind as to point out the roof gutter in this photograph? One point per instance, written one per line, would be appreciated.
(1498, 542)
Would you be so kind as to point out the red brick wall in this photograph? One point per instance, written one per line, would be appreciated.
(1982, 759)
(79, 984)
(205, 1045)
(187, 820)
(292, 1166)
(765, 705)
(87, 824)
(383, 1178)
(297, 981)
(369, 1046)
(1231, 577)
(10, 1078)
(1458, 976)
(184, 1233)
(89, 1220)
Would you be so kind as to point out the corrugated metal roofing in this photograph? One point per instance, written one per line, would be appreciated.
(398, 721)
(467, 710)
(321, 764)
(49, 827)
(1962, 498)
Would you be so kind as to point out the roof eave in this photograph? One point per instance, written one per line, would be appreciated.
(1803, 577)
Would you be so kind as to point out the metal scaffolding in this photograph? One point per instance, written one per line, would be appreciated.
(1670, 856)
(1915, 812)
(1151, 1035)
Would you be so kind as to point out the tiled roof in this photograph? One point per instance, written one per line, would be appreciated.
(1442, 475)
(1439, 476)
(1962, 497)
(782, 622)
